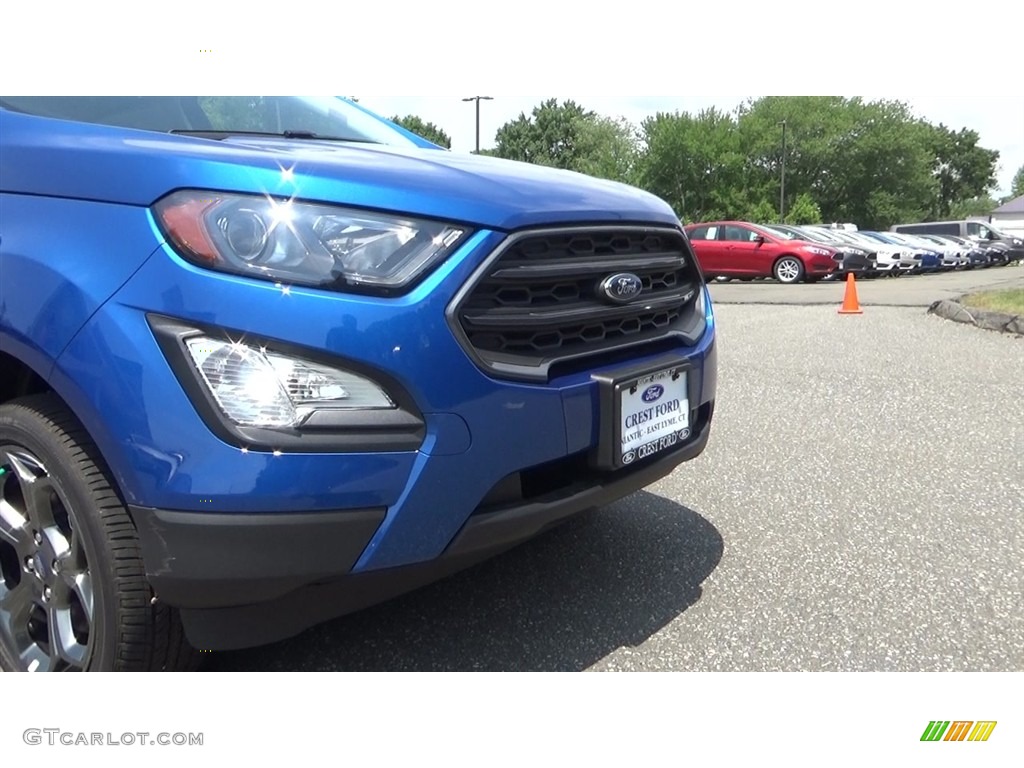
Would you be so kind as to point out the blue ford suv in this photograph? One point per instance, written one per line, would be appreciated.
(266, 361)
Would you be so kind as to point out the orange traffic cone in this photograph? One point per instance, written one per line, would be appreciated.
(851, 306)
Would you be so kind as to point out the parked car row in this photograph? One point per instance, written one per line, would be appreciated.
(971, 230)
(791, 254)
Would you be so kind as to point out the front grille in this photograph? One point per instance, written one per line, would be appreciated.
(539, 302)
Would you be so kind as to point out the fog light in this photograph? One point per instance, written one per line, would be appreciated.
(255, 387)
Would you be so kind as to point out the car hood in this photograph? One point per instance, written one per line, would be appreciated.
(67, 159)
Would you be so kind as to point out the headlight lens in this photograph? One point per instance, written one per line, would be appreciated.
(817, 251)
(703, 304)
(255, 387)
(304, 243)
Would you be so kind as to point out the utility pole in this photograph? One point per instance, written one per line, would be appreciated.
(478, 99)
(782, 185)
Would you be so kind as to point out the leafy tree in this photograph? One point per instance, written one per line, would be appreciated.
(571, 137)
(803, 211)
(963, 169)
(763, 212)
(424, 129)
(554, 134)
(975, 206)
(814, 128)
(859, 161)
(1017, 187)
(608, 149)
(846, 159)
(695, 163)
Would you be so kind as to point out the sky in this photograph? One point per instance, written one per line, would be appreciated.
(998, 120)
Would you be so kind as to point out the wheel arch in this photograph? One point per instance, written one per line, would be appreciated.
(791, 255)
(19, 378)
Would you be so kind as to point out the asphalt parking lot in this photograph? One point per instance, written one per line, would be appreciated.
(860, 507)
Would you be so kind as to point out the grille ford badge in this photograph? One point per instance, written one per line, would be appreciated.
(621, 288)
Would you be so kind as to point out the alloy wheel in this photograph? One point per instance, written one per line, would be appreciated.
(46, 589)
(788, 270)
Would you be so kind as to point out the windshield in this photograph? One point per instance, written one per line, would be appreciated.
(886, 238)
(861, 240)
(784, 234)
(819, 236)
(326, 118)
(845, 236)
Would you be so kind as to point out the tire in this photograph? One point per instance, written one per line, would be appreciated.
(788, 269)
(73, 589)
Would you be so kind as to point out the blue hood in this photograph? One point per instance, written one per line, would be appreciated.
(68, 159)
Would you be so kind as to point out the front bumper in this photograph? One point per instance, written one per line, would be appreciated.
(247, 580)
(852, 264)
(229, 527)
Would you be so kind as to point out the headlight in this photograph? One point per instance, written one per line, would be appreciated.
(303, 243)
(817, 251)
(255, 387)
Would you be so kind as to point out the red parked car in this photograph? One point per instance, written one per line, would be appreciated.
(744, 250)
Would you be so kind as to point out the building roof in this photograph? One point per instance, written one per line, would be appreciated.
(1014, 206)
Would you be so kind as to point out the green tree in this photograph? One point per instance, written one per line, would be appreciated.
(608, 149)
(803, 211)
(553, 134)
(814, 127)
(963, 169)
(424, 129)
(1017, 187)
(866, 162)
(975, 206)
(762, 212)
(695, 164)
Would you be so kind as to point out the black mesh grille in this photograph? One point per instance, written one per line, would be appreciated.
(541, 301)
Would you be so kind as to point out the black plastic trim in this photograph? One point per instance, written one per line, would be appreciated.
(581, 313)
(526, 270)
(383, 430)
(208, 560)
(684, 332)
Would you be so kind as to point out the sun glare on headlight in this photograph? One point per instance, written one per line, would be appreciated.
(304, 243)
(255, 387)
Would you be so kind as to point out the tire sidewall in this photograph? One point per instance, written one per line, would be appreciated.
(24, 428)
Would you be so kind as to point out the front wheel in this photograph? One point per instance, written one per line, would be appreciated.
(788, 269)
(73, 590)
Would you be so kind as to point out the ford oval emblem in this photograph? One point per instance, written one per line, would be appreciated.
(621, 288)
(652, 393)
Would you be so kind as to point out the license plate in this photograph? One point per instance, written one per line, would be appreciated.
(654, 413)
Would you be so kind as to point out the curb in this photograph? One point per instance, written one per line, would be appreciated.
(982, 318)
